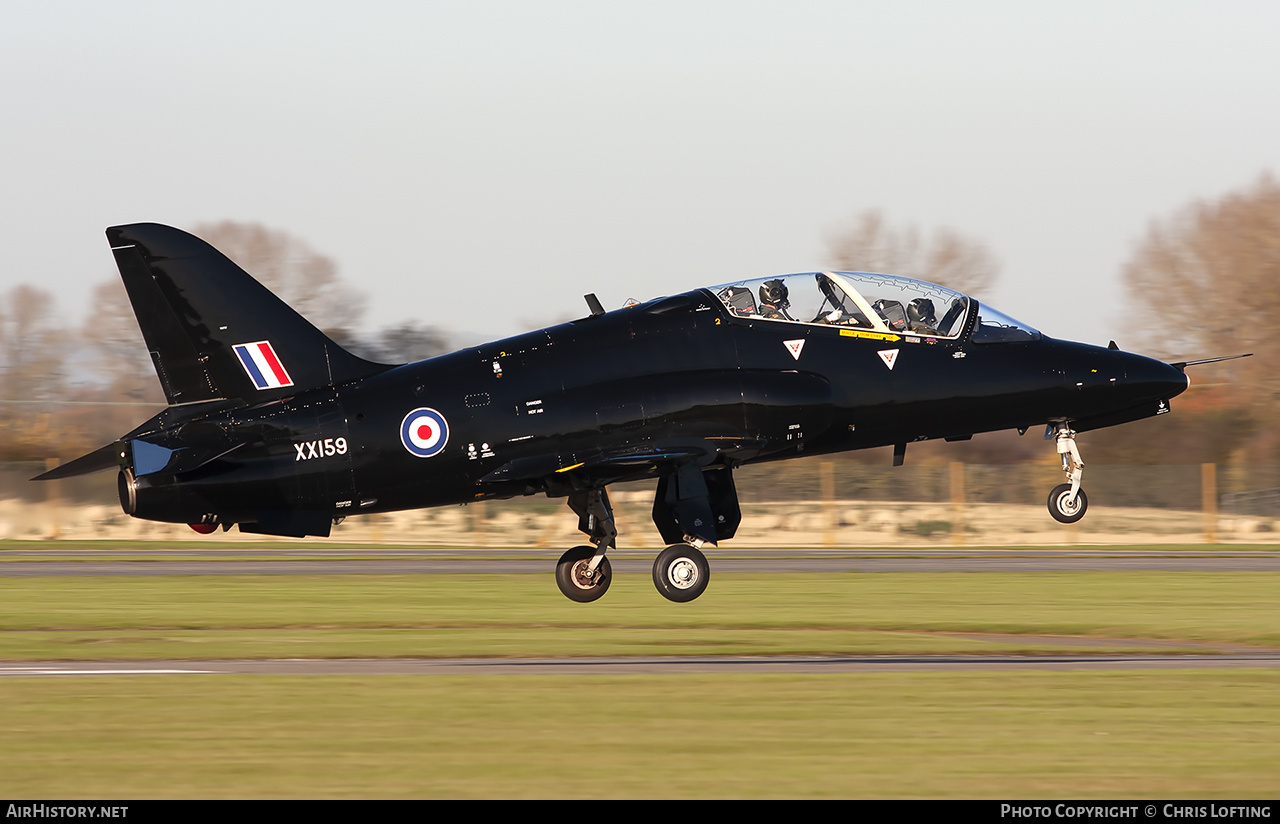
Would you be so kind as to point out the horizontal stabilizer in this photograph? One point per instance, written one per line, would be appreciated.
(107, 457)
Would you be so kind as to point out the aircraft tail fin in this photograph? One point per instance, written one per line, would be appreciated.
(215, 332)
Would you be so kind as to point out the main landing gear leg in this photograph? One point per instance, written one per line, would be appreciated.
(583, 573)
(1067, 502)
(691, 508)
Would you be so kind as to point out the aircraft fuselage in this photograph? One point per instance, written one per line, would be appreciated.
(274, 428)
(672, 373)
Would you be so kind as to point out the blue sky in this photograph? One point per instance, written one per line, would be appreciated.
(482, 165)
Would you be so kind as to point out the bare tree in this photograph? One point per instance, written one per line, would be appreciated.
(402, 343)
(117, 354)
(1207, 280)
(301, 277)
(948, 257)
(32, 345)
(32, 369)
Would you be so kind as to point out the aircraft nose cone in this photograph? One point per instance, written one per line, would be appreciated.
(1150, 379)
(1115, 376)
(1110, 386)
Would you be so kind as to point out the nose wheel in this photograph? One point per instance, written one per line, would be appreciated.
(681, 573)
(1063, 507)
(1067, 502)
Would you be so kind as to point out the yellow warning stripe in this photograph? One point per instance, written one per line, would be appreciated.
(858, 333)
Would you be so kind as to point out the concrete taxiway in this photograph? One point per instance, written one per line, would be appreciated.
(182, 560)
(641, 665)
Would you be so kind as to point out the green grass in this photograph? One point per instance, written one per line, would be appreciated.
(524, 615)
(1073, 735)
(985, 734)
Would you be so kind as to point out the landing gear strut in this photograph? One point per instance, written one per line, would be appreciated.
(693, 507)
(1067, 502)
(583, 573)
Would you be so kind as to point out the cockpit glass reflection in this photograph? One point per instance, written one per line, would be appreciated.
(997, 327)
(859, 300)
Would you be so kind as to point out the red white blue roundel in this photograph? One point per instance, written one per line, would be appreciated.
(424, 432)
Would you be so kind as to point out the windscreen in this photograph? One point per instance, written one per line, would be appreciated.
(997, 327)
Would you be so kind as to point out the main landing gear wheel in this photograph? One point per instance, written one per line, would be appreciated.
(681, 573)
(575, 578)
(1062, 508)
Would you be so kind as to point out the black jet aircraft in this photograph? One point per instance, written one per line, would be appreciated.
(273, 427)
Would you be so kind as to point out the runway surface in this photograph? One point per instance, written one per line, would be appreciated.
(642, 666)
(39, 563)
(183, 560)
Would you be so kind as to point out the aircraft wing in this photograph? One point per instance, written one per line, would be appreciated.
(629, 459)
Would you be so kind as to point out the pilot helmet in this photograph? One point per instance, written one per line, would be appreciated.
(921, 310)
(774, 293)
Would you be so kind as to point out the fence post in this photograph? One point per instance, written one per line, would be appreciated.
(479, 528)
(957, 503)
(827, 485)
(53, 497)
(1209, 501)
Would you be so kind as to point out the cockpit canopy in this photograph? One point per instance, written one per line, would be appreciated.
(860, 300)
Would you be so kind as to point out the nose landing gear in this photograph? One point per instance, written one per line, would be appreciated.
(1067, 502)
(1065, 510)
